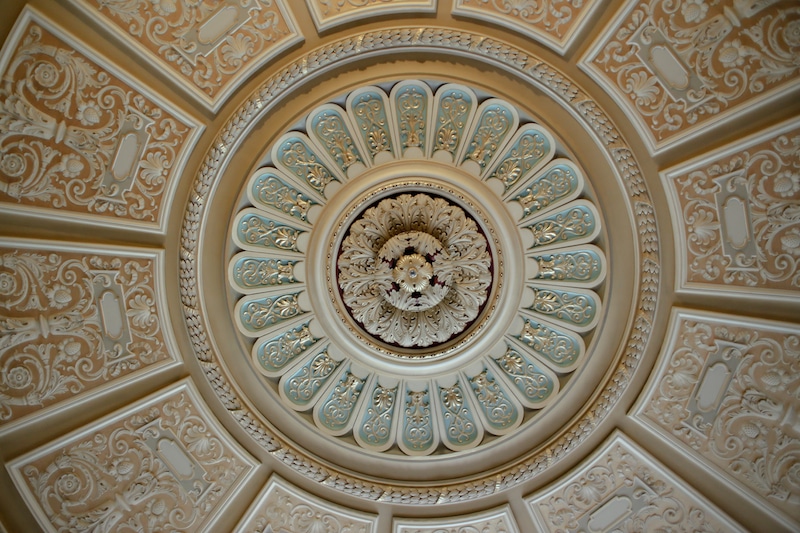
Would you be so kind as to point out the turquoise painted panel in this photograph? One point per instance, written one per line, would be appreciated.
(259, 313)
(575, 266)
(411, 108)
(336, 410)
(418, 431)
(258, 230)
(376, 424)
(275, 354)
(272, 192)
(330, 129)
(452, 112)
(570, 307)
(528, 150)
(303, 385)
(563, 226)
(555, 184)
(560, 348)
(531, 380)
(257, 272)
(460, 428)
(371, 118)
(300, 160)
(494, 401)
(495, 124)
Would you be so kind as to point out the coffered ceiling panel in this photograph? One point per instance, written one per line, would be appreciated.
(554, 23)
(208, 46)
(726, 390)
(681, 66)
(735, 212)
(80, 136)
(76, 320)
(284, 507)
(494, 521)
(160, 464)
(623, 489)
(330, 13)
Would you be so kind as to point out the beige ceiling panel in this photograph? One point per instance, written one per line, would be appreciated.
(77, 321)
(331, 13)
(161, 464)
(735, 215)
(210, 47)
(622, 488)
(725, 391)
(682, 67)
(82, 137)
(284, 507)
(493, 521)
(554, 23)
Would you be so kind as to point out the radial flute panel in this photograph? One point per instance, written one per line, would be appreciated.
(162, 463)
(726, 391)
(623, 488)
(680, 67)
(498, 520)
(414, 266)
(210, 47)
(77, 320)
(735, 216)
(79, 138)
(554, 23)
(331, 13)
(284, 507)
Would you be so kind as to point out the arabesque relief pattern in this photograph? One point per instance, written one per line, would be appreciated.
(161, 465)
(209, 44)
(679, 65)
(494, 521)
(623, 489)
(328, 13)
(284, 507)
(76, 137)
(72, 321)
(552, 21)
(728, 390)
(738, 215)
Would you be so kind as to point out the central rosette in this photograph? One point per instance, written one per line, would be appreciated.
(414, 270)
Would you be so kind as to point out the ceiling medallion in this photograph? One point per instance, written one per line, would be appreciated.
(414, 271)
(418, 315)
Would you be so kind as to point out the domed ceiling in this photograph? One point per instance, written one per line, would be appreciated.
(405, 266)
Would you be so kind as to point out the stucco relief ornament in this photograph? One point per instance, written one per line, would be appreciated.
(414, 270)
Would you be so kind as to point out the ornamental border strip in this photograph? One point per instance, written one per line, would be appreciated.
(521, 64)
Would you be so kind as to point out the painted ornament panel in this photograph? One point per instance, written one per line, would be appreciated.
(163, 465)
(739, 216)
(728, 390)
(679, 66)
(329, 13)
(210, 45)
(77, 137)
(553, 22)
(284, 507)
(622, 489)
(74, 320)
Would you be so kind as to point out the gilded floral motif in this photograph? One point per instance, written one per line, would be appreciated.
(71, 322)
(679, 65)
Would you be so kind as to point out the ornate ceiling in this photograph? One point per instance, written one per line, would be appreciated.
(403, 266)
